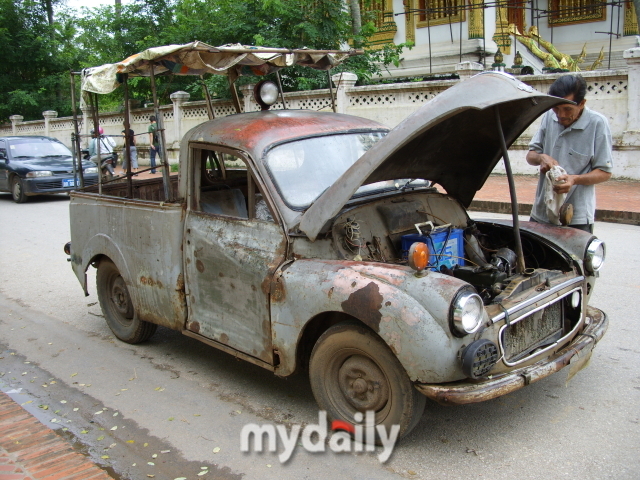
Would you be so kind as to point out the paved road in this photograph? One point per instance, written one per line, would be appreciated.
(178, 396)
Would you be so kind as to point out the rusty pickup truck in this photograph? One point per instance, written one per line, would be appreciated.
(302, 240)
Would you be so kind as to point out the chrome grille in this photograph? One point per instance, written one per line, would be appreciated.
(535, 331)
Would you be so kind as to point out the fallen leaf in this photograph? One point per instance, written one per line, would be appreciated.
(150, 463)
(203, 472)
(114, 428)
(74, 374)
(47, 343)
(84, 431)
(155, 455)
(45, 385)
(216, 450)
(150, 476)
(180, 478)
(24, 373)
(56, 412)
(124, 389)
(411, 472)
(112, 445)
(76, 409)
(165, 451)
(115, 414)
(98, 413)
(130, 441)
(28, 401)
(81, 384)
(54, 420)
(52, 382)
(105, 456)
(196, 414)
(63, 401)
(101, 437)
(88, 385)
(171, 419)
(268, 465)
(44, 407)
(146, 445)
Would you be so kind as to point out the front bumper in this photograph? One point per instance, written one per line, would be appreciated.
(54, 184)
(457, 393)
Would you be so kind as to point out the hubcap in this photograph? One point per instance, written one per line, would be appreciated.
(363, 384)
(120, 298)
(16, 189)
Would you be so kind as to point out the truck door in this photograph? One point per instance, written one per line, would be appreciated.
(230, 253)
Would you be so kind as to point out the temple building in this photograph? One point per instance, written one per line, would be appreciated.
(537, 35)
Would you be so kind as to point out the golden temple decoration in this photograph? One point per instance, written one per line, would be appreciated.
(630, 19)
(501, 36)
(476, 16)
(552, 58)
(568, 12)
(598, 63)
(410, 27)
(440, 12)
(383, 20)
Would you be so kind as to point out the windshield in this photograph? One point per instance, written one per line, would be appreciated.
(304, 169)
(37, 147)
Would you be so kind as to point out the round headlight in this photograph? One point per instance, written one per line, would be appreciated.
(594, 258)
(466, 313)
(266, 94)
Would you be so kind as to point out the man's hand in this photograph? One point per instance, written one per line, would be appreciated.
(565, 183)
(542, 159)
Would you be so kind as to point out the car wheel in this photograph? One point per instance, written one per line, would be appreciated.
(117, 306)
(17, 190)
(352, 370)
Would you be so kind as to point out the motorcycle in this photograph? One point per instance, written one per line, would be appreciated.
(108, 163)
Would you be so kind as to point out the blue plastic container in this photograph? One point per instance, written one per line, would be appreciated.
(449, 254)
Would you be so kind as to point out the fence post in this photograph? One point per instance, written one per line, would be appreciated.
(247, 96)
(87, 124)
(15, 121)
(631, 136)
(48, 115)
(342, 81)
(178, 98)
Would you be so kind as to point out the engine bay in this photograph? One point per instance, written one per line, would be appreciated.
(479, 253)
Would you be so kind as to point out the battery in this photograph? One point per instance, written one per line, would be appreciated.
(445, 245)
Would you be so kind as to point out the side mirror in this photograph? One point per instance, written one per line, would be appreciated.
(3, 155)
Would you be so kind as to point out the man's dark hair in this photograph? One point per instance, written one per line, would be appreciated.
(567, 85)
(152, 118)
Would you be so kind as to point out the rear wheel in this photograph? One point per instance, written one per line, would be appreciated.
(352, 370)
(17, 190)
(117, 306)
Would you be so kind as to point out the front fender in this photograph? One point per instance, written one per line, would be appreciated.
(409, 313)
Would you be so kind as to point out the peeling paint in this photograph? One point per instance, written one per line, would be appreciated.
(365, 304)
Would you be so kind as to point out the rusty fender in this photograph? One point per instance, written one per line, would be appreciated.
(409, 313)
(458, 393)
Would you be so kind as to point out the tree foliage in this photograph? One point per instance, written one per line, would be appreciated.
(35, 77)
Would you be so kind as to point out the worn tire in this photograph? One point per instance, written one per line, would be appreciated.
(352, 370)
(117, 306)
(17, 190)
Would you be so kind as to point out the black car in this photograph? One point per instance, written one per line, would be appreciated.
(39, 165)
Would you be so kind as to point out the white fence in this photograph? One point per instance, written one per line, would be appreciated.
(614, 93)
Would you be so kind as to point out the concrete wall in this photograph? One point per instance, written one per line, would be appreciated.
(614, 93)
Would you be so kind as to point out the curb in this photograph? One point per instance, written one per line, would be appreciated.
(611, 216)
(31, 451)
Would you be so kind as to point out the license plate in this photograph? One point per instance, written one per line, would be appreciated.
(69, 182)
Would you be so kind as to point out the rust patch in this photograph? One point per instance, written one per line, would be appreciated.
(387, 304)
(278, 293)
(221, 274)
(353, 284)
(331, 292)
(200, 266)
(253, 287)
(365, 304)
(194, 327)
(224, 338)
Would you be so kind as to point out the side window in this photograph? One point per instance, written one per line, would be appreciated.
(225, 186)
(3, 149)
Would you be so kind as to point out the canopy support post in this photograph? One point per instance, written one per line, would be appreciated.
(127, 139)
(234, 95)
(96, 135)
(205, 89)
(77, 157)
(512, 190)
(284, 105)
(168, 191)
(333, 98)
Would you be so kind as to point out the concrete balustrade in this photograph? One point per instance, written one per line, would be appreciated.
(614, 93)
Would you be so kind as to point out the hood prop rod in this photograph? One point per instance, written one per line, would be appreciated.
(512, 192)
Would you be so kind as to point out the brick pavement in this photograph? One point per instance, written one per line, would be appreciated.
(31, 451)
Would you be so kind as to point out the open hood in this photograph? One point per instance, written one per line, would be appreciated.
(452, 140)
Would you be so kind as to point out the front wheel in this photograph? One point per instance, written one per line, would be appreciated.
(352, 370)
(117, 306)
(17, 190)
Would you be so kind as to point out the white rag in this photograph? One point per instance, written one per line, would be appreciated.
(554, 200)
